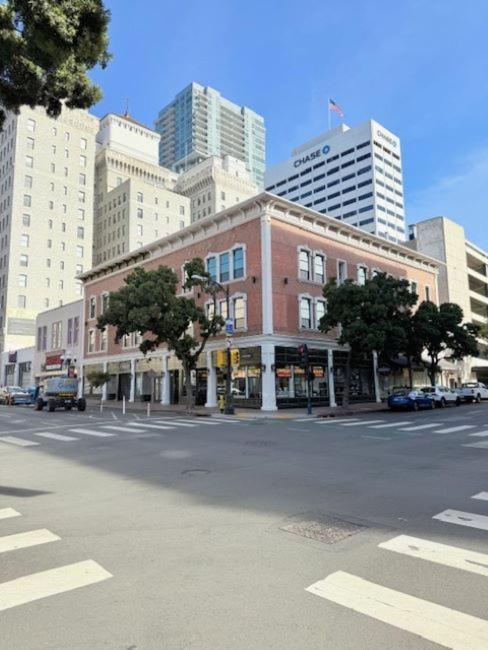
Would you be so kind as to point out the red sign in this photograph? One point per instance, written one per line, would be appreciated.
(53, 362)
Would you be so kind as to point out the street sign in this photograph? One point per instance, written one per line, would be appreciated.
(229, 326)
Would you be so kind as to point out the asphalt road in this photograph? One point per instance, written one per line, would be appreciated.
(357, 533)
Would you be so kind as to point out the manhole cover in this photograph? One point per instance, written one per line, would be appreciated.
(328, 530)
(261, 443)
(195, 472)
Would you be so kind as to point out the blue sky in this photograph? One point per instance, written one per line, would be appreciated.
(417, 66)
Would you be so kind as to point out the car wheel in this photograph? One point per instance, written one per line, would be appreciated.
(51, 405)
(478, 399)
(432, 405)
(415, 406)
(81, 404)
(443, 403)
(458, 401)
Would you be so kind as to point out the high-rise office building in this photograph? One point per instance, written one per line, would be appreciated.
(352, 174)
(46, 215)
(134, 199)
(199, 123)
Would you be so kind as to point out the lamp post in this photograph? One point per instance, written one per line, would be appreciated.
(229, 329)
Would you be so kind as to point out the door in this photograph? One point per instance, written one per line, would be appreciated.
(124, 386)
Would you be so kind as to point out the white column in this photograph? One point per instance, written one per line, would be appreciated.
(376, 378)
(211, 382)
(165, 388)
(80, 380)
(330, 371)
(266, 274)
(268, 378)
(132, 394)
(104, 387)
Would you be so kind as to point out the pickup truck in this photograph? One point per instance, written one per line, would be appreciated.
(473, 391)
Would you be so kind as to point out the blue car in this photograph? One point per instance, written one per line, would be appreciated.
(412, 400)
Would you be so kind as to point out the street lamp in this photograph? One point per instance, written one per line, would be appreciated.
(229, 406)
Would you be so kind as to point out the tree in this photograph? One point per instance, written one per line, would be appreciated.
(148, 303)
(441, 332)
(372, 318)
(46, 49)
(98, 379)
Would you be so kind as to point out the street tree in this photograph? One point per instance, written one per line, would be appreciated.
(98, 379)
(148, 303)
(372, 318)
(442, 333)
(46, 50)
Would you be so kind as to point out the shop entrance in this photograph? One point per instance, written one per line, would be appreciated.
(174, 386)
(124, 386)
(291, 382)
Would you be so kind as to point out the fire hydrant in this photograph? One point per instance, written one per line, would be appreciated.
(221, 403)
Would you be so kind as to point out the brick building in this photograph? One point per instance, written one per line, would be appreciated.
(276, 256)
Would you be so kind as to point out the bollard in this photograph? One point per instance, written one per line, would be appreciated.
(101, 406)
(148, 409)
(123, 404)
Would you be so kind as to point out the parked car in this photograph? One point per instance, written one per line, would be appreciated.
(442, 395)
(14, 395)
(411, 399)
(473, 391)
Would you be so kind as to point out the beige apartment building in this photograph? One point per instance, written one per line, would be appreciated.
(46, 215)
(135, 199)
(216, 184)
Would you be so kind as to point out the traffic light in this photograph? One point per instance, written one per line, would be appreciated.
(303, 355)
(235, 357)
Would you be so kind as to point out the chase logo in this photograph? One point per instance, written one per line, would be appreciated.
(311, 156)
(325, 149)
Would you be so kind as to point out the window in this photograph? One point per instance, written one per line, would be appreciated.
(81, 213)
(79, 251)
(238, 263)
(82, 179)
(42, 338)
(140, 197)
(22, 280)
(223, 309)
(222, 196)
(362, 274)
(66, 136)
(210, 309)
(182, 209)
(103, 339)
(427, 293)
(24, 260)
(49, 243)
(139, 230)
(56, 335)
(26, 220)
(305, 313)
(31, 125)
(28, 182)
(48, 263)
(224, 267)
(30, 143)
(140, 213)
(27, 200)
(320, 309)
(91, 340)
(319, 268)
(24, 240)
(29, 161)
(81, 197)
(83, 161)
(414, 287)
(21, 302)
(304, 264)
(212, 267)
(80, 232)
(92, 307)
(79, 269)
(76, 329)
(239, 305)
(83, 143)
(105, 301)
(69, 332)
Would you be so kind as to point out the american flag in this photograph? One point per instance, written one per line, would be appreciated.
(335, 107)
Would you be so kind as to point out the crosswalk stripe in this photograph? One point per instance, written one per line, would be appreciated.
(173, 423)
(304, 419)
(24, 540)
(483, 496)
(202, 420)
(335, 420)
(6, 513)
(113, 427)
(478, 445)
(479, 434)
(463, 519)
(91, 432)
(452, 556)
(56, 436)
(419, 427)
(463, 427)
(20, 442)
(442, 625)
(137, 427)
(228, 420)
(389, 425)
(359, 424)
(51, 582)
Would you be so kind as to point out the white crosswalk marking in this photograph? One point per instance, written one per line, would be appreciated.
(423, 549)
(56, 436)
(174, 423)
(462, 427)
(113, 427)
(478, 445)
(136, 427)
(202, 420)
(336, 420)
(479, 434)
(304, 419)
(360, 424)
(20, 442)
(91, 432)
(24, 540)
(483, 496)
(6, 513)
(420, 427)
(389, 425)
(463, 519)
(51, 582)
(428, 620)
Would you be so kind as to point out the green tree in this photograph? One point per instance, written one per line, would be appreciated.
(46, 49)
(371, 318)
(98, 379)
(442, 333)
(148, 304)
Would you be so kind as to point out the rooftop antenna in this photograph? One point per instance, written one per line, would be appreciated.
(126, 106)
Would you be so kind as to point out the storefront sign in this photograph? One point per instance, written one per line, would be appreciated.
(147, 365)
(53, 362)
(318, 371)
(118, 367)
(250, 356)
(283, 372)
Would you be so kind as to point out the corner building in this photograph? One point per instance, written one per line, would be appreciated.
(275, 256)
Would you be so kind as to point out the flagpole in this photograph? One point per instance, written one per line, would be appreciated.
(330, 117)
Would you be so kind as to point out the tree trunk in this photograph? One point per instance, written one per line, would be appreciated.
(410, 371)
(432, 371)
(347, 381)
(189, 389)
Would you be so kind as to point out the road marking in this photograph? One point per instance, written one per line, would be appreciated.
(479, 434)
(304, 419)
(455, 429)
(114, 417)
(176, 424)
(56, 436)
(423, 549)
(463, 519)
(49, 583)
(91, 432)
(390, 424)
(6, 513)
(442, 625)
(24, 540)
(359, 424)
(12, 440)
(198, 421)
(112, 427)
(335, 421)
(376, 437)
(135, 426)
(478, 445)
(419, 427)
(483, 496)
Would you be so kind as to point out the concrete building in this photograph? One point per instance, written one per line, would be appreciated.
(214, 185)
(463, 279)
(275, 256)
(59, 341)
(200, 123)
(352, 174)
(134, 199)
(16, 368)
(46, 215)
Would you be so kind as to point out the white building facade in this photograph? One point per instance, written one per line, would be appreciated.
(353, 174)
(16, 367)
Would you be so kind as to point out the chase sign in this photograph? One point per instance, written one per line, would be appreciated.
(313, 155)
